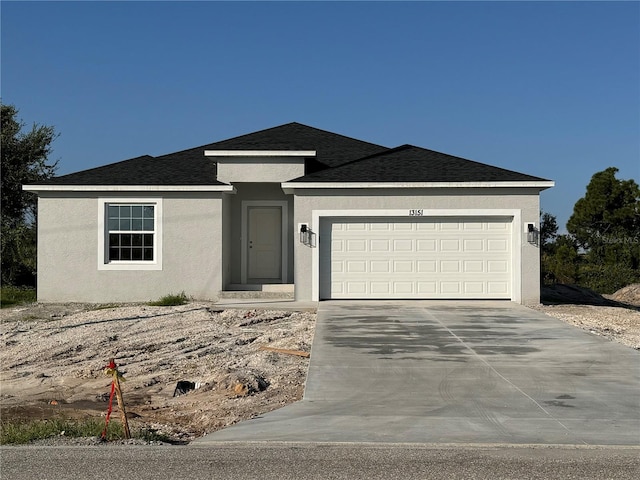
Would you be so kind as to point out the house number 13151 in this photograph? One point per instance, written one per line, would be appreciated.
(415, 213)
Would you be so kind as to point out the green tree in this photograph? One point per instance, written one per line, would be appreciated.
(548, 230)
(562, 264)
(24, 159)
(548, 235)
(606, 226)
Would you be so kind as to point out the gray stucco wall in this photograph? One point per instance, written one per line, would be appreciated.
(259, 169)
(524, 200)
(68, 250)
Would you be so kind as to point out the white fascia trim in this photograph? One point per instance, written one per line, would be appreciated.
(259, 153)
(344, 185)
(129, 188)
(516, 236)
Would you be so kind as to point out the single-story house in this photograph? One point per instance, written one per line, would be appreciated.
(328, 216)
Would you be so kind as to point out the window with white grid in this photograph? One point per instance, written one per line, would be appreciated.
(130, 234)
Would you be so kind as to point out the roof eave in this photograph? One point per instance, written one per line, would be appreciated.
(260, 153)
(129, 188)
(289, 187)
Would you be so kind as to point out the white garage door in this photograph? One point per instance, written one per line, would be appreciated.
(423, 257)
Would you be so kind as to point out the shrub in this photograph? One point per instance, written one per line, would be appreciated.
(10, 295)
(607, 278)
(170, 300)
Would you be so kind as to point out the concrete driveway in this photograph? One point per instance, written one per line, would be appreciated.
(456, 372)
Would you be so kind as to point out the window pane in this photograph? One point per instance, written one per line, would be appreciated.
(148, 225)
(148, 211)
(148, 240)
(136, 211)
(125, 240)
(148, 254)
(125, 224)
(136, 254)
(125, 211)
(114, 254)
(125, 254)
(114, 211)
(136, 224)
(136, 240)
(114, 224)
(114, 240)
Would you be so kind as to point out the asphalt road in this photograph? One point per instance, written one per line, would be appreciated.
(319, 461)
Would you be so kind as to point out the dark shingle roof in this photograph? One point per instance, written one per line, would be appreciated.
(191, 167)
(332, 149)
(414, 164)
(145, 170)
(338, 159)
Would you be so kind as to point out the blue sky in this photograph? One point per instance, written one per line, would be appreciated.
(550, 89)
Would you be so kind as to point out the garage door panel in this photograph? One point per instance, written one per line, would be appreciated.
(402, 226)
(356, 227)
(379, 245)
(426, 266)
(473, 266)
(428, 226)
(497, 245)
(380, 266)
(473, 245)
(379, 288)
(449, 226)
(498, 288)
(403, 266)
(416, 258)
(449, 245)
(473, 226)
(403, 245)
(449, 266)
(499, 226)
(382, 226)
(450, 288)
(474, 288)
(426, 288)
(426, 245)
(403, 288)
(497, 266)
(356, 246)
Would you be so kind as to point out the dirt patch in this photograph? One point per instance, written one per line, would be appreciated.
(620, 324)
(615, 316)
(52, 360)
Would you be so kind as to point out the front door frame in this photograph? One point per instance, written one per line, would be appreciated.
(284, 206)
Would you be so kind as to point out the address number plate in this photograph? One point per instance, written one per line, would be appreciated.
(416, 213)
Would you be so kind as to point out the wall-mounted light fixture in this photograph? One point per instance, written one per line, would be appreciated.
(533, 235)
(307, 236)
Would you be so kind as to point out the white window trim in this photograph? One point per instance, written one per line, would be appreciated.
(516, 237)
(103, 263)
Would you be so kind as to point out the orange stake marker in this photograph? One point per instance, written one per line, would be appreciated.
(112, 369)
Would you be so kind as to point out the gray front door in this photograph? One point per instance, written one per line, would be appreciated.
(265, 244)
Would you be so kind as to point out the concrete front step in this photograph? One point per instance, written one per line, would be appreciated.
(274, 291)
